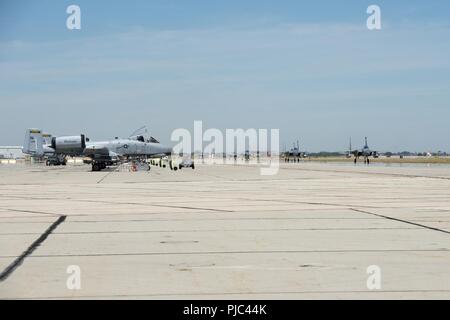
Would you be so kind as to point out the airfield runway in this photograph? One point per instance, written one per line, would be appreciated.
(225, 232)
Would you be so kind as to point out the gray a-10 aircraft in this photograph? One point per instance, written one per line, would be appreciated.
(99, 154)
(365, 152)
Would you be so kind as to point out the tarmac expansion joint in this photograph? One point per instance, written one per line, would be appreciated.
(19, 260)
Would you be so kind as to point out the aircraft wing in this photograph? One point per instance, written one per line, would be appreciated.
(356, 153)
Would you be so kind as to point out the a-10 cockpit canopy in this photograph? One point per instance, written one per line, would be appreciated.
(142, 135)
(142, 139)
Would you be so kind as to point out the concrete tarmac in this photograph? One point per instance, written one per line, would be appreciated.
(226, 232)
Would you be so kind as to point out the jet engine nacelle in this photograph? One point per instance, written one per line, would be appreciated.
(69, 145)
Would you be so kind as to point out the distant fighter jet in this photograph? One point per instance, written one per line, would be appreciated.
(295, 154)
(99, 154)
(364, 152)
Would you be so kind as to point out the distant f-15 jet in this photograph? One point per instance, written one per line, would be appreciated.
(294, 154)
(365, 152)
(99, 154)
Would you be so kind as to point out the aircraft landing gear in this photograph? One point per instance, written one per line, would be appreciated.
(98, 166)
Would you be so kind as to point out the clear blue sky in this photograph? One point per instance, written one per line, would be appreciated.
(311, 69)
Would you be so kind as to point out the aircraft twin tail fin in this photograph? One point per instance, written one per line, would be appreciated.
(34, 142)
